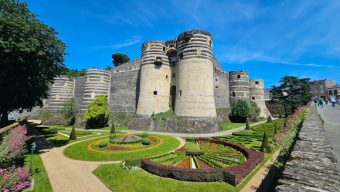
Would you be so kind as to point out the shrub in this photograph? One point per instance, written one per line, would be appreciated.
(269, 119)
(265, 147)
(112, 136)
(146, 141)
(247, 125)
(102, 144)
(14, 179)
(143, 135)
(13, 147)
(69, 111)
(240, 111)
(112, 141)
(254, 111)
(97, 113)
(73, 135)
(113, 129)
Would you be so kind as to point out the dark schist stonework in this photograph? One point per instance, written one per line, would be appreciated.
(312, 164)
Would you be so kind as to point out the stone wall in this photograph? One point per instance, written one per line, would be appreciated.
(312, 164)
(221, 89)
(61, 91)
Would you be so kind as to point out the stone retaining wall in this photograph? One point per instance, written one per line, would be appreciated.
(312, 164)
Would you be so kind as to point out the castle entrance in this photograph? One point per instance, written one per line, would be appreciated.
(172, 99)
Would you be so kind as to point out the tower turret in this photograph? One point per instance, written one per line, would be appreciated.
(238, 85)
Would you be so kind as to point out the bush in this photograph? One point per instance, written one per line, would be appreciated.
(112, 141)
(112, 136)
(12, 148)
(269, 119)
(265, 147)
(102, 144)
(240, 111)
(247, 125)
(146, 141)
(97, 113)
(113, 129)
(14, 179)
(69, 111)
(254, 111)
(73, 135)
(143, 135)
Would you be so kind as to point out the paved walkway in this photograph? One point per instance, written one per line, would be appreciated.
(331, 116)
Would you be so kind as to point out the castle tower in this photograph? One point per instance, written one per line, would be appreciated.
(155, 78)
(238, 86)
(194, 75)
(97, 83)
(61, 91)
(256, 91)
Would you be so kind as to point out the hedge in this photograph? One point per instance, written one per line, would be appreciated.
(233, 175)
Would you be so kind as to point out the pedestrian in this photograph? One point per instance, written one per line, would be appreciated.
(321, 102)
(333, 101)
(326, 101)
(316, 101)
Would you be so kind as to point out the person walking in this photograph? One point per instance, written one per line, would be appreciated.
(321, 102)
(316, 101)
(333, 101)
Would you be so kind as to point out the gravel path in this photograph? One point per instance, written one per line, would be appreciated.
(331, 116)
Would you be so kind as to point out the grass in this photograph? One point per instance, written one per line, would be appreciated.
(230, 125)
(79, 151)
(41, 181)
(118, 179)
(170, 114)
(116, 127)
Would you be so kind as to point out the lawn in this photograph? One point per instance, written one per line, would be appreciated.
(118, 179)
(41, 181)
(230, 125)
(80, 151)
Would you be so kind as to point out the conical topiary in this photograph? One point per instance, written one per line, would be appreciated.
(275, 129)
(113, 129)
(265, 147)
(269, 119)
(247, 125)
(73, 135)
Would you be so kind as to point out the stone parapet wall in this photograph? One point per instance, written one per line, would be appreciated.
(312, 164)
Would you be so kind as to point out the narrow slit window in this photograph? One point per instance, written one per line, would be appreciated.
(154, 92)
(180, 92)
(233, 94)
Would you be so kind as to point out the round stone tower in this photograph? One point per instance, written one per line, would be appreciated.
(194, 75)
(256, 87)
(61, 91)
(155, 78)
(238, 86)
(97, 83)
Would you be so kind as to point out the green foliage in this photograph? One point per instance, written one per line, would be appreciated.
(254, 111)
(73, 135)
(97, 113)
(102, 144)
(112, 136)
(143, 135)
(146, 141)
(31, 56)
(113, 128)
(119, 58)
(240, 111)
(108, 68)
(269, 119)
(170, 114)
(71, 73)
(265, 147)
(69, 111)
(247, 125)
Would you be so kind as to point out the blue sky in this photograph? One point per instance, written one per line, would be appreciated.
(268, 38)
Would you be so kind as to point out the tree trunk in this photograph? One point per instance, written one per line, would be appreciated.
(4, 117)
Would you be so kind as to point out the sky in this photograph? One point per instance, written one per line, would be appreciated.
(268, 38)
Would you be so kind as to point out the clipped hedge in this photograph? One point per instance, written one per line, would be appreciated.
(233, 175)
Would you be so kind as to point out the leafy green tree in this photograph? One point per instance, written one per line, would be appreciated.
(240, 111)
(265, 147)
(292, 93)
(69, 111)
(119, 58)
(97, 113)
(31, 56)
(108, 68)
(269, 119)
(247, 125)
(254, 111)
(73, 135)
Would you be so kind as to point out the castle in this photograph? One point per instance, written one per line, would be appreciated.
(180, 74)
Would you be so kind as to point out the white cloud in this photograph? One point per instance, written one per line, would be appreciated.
(129, 42)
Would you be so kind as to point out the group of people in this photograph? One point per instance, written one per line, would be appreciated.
(320, 101)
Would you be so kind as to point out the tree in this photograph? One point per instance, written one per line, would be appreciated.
(292, 93)
(265, 147)
(69, 111)
(108, 68)
(119, 58)
(254, 111)
(73, 72)
(31, 56)
(97, 113)
(73, 135)
(240, 111)
(247, 125)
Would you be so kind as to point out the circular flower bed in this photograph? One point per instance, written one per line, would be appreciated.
(206, 159)
(124, 139)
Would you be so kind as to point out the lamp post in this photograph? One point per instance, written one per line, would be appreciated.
(33, 146)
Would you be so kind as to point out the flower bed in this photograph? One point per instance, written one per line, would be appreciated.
(233, 175)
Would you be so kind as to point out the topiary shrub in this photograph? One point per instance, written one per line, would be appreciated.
(102, 144)
(97, 113)
(254, 111)
(73, 135)
(265, 147)
(112, 136)
(113, 128)
(240, 111)
(269, 119)
(143, 135)
(146, 141)
(112, 141)
(247, 125)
